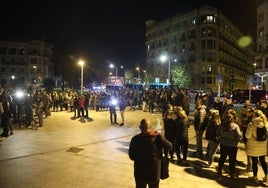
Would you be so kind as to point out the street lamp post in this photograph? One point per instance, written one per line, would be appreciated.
(116, 69)
(81, 63)
(139, 73)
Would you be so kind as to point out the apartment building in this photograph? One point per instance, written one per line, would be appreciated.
(25, 63)
(206, 42)
(261, 56)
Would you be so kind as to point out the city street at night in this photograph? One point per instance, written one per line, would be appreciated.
(73, 152)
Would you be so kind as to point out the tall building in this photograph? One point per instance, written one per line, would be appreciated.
(261, 56)
(206, 42)
(25, 64)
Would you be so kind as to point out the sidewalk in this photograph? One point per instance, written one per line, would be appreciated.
(70, 152)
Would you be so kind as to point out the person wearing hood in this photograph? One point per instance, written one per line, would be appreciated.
(145, 150)
(257, 149)
(199, 126)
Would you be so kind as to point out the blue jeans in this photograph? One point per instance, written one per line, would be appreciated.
(213, 146)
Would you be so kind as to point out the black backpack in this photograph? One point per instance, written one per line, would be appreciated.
(261, 133)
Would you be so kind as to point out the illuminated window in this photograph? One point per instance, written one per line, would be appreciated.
(193, 21)
(210, 19)
(261, 32)
(209, 69)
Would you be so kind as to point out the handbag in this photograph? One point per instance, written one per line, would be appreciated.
(164, 168)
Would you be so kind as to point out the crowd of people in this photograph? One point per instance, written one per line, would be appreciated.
(218, 122)
(215, 120)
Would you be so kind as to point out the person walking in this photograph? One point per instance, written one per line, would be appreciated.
(145, 150)
(229, 135)
(257, 150)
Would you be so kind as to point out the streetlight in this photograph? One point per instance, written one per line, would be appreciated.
(165, 58)
(81, 63)
(112, 66)
(139, 73)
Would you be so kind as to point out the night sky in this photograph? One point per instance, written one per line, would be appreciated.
(103, 31)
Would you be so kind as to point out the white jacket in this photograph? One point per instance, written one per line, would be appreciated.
(255, 148)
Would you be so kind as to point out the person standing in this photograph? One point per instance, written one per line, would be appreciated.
(246, 113)
(229, 135)
(112, 110)
(122, 107)
(181, 135)
(211, 136)
(257, 149)
(199, 126)
(145, 150)
(169, 128)
(39, 111)
(5, 116)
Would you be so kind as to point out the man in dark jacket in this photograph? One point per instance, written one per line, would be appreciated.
(146, 151)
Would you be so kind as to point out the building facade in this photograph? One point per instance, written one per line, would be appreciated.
(261, 55)
(25, 64)
(206, 42)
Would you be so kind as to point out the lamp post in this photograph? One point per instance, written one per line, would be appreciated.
(81, 63)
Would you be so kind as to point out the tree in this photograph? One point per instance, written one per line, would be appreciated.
(49, 84)
(180, 76)
(129, 76)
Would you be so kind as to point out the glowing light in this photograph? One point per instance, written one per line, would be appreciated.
(114, 102)
(244, 41)
(19, 94)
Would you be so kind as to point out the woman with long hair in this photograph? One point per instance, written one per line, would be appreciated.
(211, 136)
(181, 135)
(257, 149)
(229, 135)
(169, 128)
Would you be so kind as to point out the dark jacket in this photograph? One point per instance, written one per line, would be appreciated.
(182, 129)
(146, 152)
(211, 131)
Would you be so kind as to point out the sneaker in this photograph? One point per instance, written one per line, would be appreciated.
(39, 127)
(121, 124)
(30, 127)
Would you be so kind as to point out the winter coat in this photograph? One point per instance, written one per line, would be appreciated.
(255, 148)
(229, 136)
(182, 129)
(199, 118)
(145, 150)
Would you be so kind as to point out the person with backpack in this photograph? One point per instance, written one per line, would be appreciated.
(257, 143)
(145, 150)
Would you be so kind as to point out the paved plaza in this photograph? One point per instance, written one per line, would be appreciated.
(91, 153)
